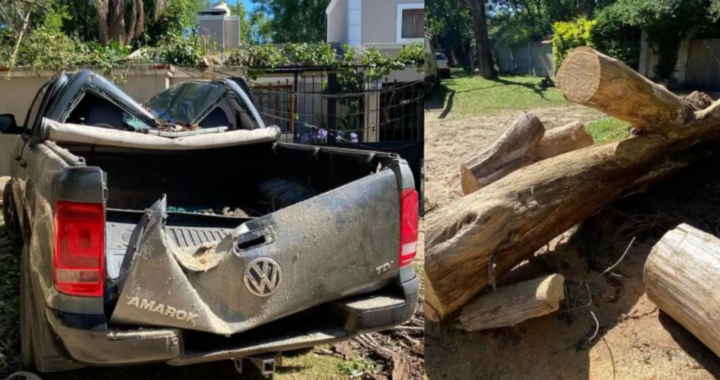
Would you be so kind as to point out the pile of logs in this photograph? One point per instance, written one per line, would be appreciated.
(531, 186)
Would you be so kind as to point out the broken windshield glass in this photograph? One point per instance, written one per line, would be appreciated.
(185, 103)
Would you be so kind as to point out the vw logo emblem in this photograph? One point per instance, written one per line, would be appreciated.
(263, 277)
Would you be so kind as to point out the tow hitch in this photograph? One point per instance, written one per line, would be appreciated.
(265, 363)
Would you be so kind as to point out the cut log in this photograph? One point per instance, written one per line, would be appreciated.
(595, 80)
(681, 276)
(513, 304)
(513, 150)
(519, 147)
(563, 139)
(515, 216)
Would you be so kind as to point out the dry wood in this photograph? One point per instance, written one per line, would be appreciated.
(513, 150)
(515, 216)
(681, 276)
(563, 139)
(522, 144)
(513, 304)
(699, 100)
(595, 80)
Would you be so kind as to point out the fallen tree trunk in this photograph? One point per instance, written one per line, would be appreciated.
(513, 150)
(522, 144)
(563, 139)
(681, 276)
(509, 220)
(595, 80)
(513, 304)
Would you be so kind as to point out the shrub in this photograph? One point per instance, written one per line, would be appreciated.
(569, 35)
(614, 37)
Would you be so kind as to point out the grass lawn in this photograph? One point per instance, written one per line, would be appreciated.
(465, 96)
(607, 129)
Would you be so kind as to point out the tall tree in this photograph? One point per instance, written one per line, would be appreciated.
(123, 20)
(482, 42)
(449, 22)
(296, 20)
(238, 9)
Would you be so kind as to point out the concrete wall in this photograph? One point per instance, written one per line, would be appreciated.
(379, 20)
(532, 59)
(337, 23)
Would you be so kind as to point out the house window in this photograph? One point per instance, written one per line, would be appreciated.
(411, 22)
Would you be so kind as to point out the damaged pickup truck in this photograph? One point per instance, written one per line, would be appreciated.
(181, 231)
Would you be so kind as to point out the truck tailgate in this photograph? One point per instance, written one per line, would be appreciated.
(337, 244)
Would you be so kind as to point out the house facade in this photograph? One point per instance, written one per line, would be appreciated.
(386, 25)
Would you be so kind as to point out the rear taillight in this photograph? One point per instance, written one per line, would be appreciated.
(79, 245)
(408, 226)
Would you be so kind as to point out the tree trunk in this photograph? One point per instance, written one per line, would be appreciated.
(513, 150)
(595, 80)
(681, 276)
(507, 221)
(523, 143)
(563, 139)
(484, 53)
(513, 304)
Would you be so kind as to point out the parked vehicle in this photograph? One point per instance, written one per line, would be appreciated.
(443, 65)
(181, 231)
(430, 69)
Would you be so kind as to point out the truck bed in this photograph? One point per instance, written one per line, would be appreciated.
(333, 233)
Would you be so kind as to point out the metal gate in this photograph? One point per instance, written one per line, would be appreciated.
(703, 65)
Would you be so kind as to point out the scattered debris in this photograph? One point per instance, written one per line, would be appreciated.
(513, 304)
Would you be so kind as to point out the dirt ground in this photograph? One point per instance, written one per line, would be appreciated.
(635, 340)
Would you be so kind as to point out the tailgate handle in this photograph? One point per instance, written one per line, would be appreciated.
(253, 239)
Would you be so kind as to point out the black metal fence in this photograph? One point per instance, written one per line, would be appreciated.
(319, 106)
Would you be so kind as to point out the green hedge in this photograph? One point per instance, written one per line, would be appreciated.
(569, 35)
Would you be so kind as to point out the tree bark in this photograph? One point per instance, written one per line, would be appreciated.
(523, 143)
(513, 150)
(507, 221)
(681, 276)
(484, 53)
(595, 80)
(513, 304)
(563, 139)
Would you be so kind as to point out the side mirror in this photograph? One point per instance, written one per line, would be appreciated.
(8, 125)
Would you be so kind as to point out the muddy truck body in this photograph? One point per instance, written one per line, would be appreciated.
(145, 241)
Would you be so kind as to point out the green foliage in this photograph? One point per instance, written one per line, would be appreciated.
(238, 9)
(106, 57)
(295, 20)
(608, 129)
(179, 19)
(569, 35)
(181, 51)
(615, 38)
(450, 24)
(42, 50)
(667, 22)
(355, 367)
(55, 16)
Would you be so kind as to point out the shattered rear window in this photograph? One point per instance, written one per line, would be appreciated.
(184, 103)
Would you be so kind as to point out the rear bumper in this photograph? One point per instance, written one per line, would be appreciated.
(86, 340)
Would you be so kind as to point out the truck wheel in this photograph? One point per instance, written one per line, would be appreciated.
(281, 193)
(12, 224)
(27, 353)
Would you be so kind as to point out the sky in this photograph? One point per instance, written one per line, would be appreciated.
(249, 6)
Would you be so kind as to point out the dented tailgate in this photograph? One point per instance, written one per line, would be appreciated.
(340, 243)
